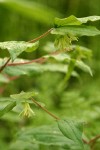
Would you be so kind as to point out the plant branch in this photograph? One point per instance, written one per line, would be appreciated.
(38, 60)
(2, 67)
(93, 141)
(86, 142)
(52, 115)
(41, 36)
(43, 108)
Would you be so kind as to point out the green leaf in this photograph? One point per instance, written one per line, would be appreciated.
(79, 30)
(9, 107)
(89, 18)
(36, 68)
(23, 95)
(21, 145)
(15, 48)
(46, 135)
(84, 67)
(59, 57)
(71, 20)
(73, 131)
(83, 51)
(72, 62)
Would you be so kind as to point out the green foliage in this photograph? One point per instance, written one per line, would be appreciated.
(73, 131)
(68, 28)
(73, 25)
(51, 135)
(35, 68)
(8, 108)
(72, 20)
(48, 135)
(90, 18)
(65, 59)
(23, 96)
(16, 48)
(79, 30)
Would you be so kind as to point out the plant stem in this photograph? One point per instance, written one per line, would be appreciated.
(32, 41)
(35, 102)
(2, 67)
(52, 115)
(38, 60)
(41, 36)
(86, 142)
(93, 141)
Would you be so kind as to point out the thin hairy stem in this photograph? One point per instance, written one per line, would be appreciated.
(41, 36)
(43, 108)
(86, 142)
(93, 141)
(38, 60)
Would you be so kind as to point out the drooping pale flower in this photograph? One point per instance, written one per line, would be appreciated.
(27, 111)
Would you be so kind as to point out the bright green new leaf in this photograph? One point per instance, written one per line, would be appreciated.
(71, 20)
(79, 30)
(9, 107)
(15, 48)
(23, 95)
(73, 25)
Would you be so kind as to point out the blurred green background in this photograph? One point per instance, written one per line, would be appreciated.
(25, 20)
